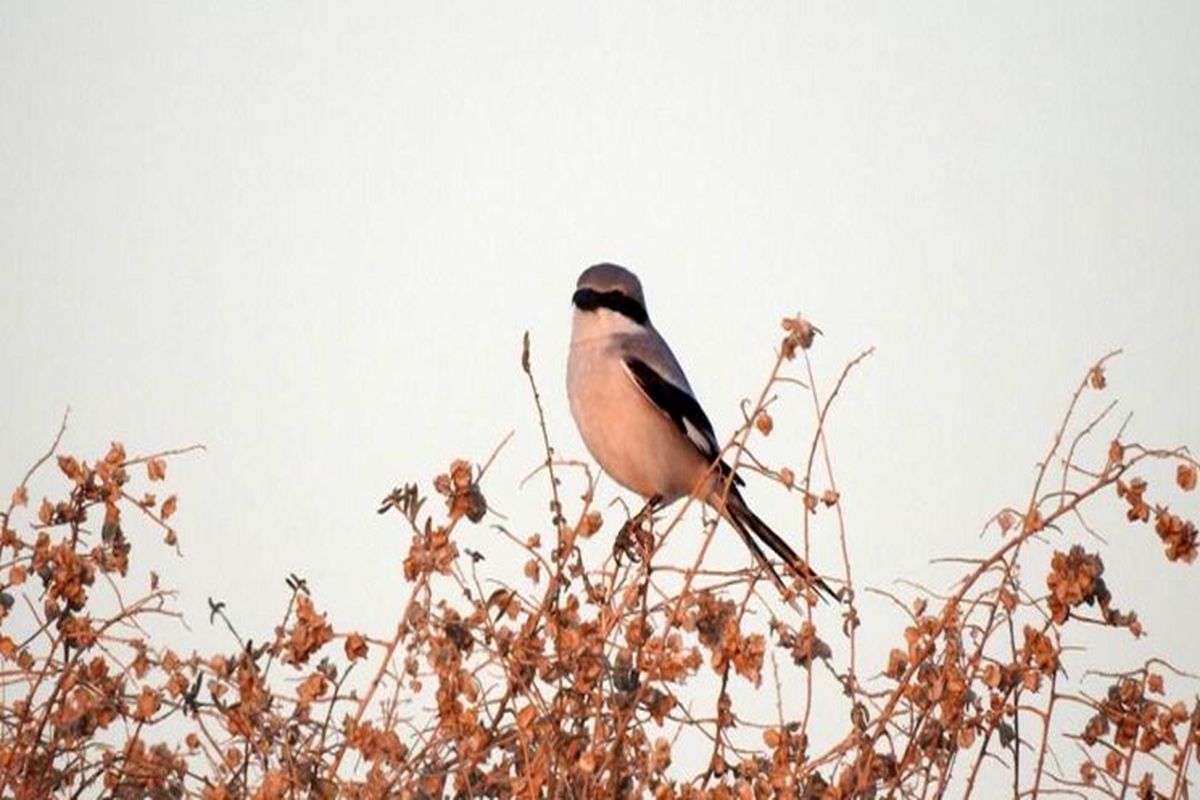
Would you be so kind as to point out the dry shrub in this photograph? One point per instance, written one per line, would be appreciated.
(605, 670)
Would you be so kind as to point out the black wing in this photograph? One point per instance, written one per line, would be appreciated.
(682, 409)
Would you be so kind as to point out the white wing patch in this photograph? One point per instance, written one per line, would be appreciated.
(680, 407)
(702, 439)
(673, 403)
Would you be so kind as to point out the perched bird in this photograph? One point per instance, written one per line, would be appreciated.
(639, 418)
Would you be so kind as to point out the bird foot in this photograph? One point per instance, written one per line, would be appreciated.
(635, 541)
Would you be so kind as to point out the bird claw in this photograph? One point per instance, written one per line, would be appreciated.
(634, 540)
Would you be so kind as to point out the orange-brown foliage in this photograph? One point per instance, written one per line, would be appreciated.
(582, 678)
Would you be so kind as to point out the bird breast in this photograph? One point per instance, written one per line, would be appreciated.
(633, 441)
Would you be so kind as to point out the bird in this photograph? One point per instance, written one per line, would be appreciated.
(640, 420)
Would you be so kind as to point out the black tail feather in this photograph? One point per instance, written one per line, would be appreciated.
(750, 527)
(759, 555)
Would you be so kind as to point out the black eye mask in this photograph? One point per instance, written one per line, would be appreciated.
(623, 304)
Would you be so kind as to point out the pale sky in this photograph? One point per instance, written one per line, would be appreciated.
(310, 236)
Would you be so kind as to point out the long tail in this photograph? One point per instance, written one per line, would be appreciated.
(754, 531)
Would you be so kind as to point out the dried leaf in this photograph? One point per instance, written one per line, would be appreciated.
(115, 456)
(356, 646)
(1185, 476)
(156, 469)
(800, 335)
(312, 688)
(70, 467)
(147, 704)
(591, 522)
(764, 423)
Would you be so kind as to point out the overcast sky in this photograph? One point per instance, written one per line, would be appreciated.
(310, 236)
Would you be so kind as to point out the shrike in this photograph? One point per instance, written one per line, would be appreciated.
(639, 417)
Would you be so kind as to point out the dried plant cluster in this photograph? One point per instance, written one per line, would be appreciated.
(605, 670)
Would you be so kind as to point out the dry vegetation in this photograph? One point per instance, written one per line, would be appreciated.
(605, 670)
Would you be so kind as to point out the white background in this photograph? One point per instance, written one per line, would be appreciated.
(310, 236)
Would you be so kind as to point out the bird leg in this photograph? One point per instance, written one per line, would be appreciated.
(634, 540)
(650, 507)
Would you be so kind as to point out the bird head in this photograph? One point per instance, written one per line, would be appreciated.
(604, 290)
